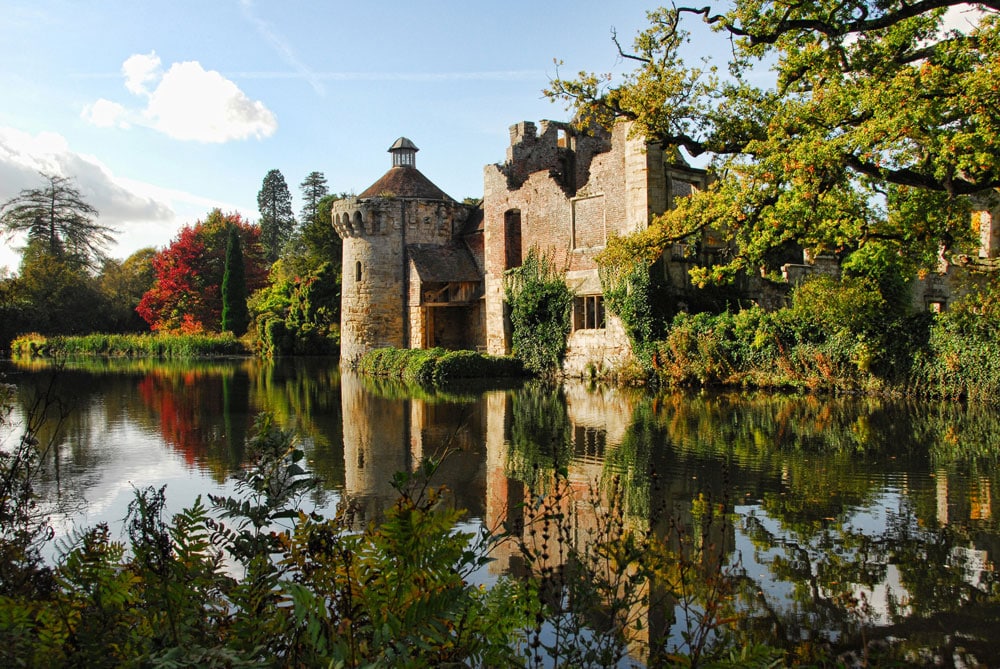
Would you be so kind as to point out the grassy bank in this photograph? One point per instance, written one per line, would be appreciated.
(435, 366)
(127, 346)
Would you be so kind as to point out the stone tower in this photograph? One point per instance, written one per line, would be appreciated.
(395, 219)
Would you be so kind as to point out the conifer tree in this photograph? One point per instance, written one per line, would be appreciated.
(313, 189)
(235, 315)
(57, 216)
(277, 222)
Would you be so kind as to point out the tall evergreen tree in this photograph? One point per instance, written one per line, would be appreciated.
(235, 315)
(277, 222)
(58, 217)
(313, 189)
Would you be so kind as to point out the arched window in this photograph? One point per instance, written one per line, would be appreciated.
(357, 271)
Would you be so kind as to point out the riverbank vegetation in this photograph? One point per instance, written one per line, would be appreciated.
(438, 366)
(214, 277)
(836, 335)
(127, 346)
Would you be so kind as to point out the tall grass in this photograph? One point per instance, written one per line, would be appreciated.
(127, 346)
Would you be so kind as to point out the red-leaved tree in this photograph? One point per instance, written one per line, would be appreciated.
(187, 294)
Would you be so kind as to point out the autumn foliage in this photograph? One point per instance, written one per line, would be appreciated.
(187, 294)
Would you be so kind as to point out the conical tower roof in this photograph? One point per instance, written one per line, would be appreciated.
(404, 180)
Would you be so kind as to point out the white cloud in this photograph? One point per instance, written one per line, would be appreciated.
(187, 102)
(105, 114)
(140, 219)
(141, 69)
(191, 103)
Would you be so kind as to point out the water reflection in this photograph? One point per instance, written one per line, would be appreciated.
(833, 513)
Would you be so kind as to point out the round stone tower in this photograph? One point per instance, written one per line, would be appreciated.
(402, 209)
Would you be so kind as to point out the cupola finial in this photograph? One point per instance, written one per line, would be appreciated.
(404, 153)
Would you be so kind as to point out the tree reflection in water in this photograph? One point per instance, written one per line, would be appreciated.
(822, 520)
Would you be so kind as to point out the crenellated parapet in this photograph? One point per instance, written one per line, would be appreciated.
(424, 221)
(353, 217)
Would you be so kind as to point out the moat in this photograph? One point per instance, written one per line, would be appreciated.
(839, 512)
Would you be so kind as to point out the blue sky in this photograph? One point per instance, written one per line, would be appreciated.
(162, 111)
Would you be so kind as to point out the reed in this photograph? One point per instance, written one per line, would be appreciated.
(35, 345)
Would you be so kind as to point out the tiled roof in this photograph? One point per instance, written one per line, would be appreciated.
(442, 264)
(405, 182)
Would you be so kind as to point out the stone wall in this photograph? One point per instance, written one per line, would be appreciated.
(372, 300)
(380, 303)
(572, 192)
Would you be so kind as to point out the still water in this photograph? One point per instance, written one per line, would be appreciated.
(836, 511)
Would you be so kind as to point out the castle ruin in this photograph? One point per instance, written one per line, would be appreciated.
(421, 270)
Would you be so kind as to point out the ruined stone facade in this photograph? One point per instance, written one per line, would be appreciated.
(422, 270)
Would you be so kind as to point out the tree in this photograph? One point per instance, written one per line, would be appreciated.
(123, 283)
(313, 189)
(187, 295)
(880, 121)
(234, 287)
(277, 222)
(59, 295)
(58, 216)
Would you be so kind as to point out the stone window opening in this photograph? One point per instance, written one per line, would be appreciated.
(588, 312)
(357, 271)
(512, 239)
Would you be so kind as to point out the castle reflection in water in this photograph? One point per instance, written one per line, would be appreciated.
(821, 500)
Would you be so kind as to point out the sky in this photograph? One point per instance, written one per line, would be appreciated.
(163, 111)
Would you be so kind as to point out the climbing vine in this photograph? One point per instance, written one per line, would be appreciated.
(540, 307)
(637, 293)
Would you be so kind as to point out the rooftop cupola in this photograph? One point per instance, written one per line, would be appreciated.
(404, 153)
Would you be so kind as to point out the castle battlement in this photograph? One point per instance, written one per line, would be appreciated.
(353, 217)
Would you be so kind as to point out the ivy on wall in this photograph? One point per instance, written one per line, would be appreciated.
(540, 309)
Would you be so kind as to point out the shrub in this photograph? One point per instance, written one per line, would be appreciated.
(437, 366)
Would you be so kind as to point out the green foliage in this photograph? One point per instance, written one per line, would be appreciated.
(23, 528)
(540, 309)
(59, 295)
(638, 294)
(235, 316)
(300, 316)
(57, 218)
(396, 594)
(123, 283)
(437, 366)
(961, 360)
(34, 345)
(835, 335)
(877, 122)
(312, 592)
(313, 189)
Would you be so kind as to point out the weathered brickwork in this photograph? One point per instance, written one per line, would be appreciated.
(421, 270)
(567, 192)
(560, 191)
